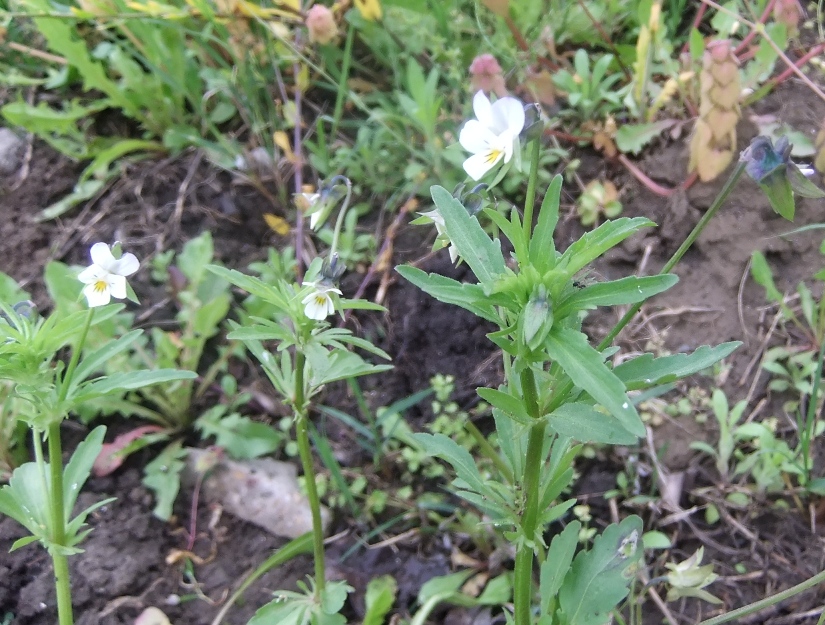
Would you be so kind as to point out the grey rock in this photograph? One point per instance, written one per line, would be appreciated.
(11, 151)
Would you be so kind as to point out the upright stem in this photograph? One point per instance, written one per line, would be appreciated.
(302, 434)
(56, 500)
(61, 563)
(523, 586)
(530, 198)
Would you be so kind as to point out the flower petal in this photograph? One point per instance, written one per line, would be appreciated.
(117, 285)
(508, 114)
(102, 256)
(126, 265)
(483, 109)
(96, 297)
(479, 164)
(91, 274)
(475, 137)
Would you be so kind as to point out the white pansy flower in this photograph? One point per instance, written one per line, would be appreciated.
(318, 303)
(492, 135)
(440, 228)
(106, 277)
(315, 205)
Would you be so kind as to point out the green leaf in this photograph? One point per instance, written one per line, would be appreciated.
(481, 253)
(542, 246)
(624, 291)
(82, 191)
(761, 272)
(95, 360)
(646, 371)
(586, 368)
(380, 596)
(596, 242)
(468, 296)
(582, 422)
(242, 437)
(251, 285)
(128, 381)
(633, 137)
(162, 476)
(79, 468)
(597, 581)
(557, 564)
(458, 457)
(511, 406)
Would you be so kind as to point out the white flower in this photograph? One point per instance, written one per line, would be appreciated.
(440, 228)
(492, 135)
(318, 304)
(313, 204)
(106, 277)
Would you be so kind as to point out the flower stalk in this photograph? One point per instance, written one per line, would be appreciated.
(304, 450)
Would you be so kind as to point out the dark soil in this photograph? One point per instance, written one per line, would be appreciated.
(128, 563)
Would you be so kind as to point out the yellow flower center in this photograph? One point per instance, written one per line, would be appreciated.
(493, 156)
(100, 286)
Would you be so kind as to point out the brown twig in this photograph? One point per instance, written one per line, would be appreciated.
(697, 20)
(606, 38)
(522, 44)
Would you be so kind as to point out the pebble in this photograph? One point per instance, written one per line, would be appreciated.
(11, 151)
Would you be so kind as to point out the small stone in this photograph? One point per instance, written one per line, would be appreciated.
(11, 151)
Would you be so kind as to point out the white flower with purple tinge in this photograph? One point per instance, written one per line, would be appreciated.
(106, 277)
(492, 136)
(318, 304)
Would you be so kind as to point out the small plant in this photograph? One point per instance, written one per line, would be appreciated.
(598, 198)
(591, 91)
(310, 354)
(40, 495)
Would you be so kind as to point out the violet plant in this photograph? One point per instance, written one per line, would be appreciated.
(559, 389)
(300, 352)
(41, 494)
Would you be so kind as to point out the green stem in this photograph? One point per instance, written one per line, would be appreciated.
(807, 433)
(767, 602)
(678, 254)
(530, 198)
(342, 83)
(67, 377)
(57, 504)
(523, 578)
(302, 435)
(58, 538)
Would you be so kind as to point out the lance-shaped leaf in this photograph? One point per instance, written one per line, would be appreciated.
(646, 371)
(478, 250)
(468, 296)
(586, 368)
(596, 242)
(582, 422)
(624, 291)
(542, 246)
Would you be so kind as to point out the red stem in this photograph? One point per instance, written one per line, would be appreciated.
(696, 21)
(749, 37)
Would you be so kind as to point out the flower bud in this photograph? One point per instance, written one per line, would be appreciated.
(537, 319)
(788, 12)
(533, 122)
(486, 75)
(321, 25)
